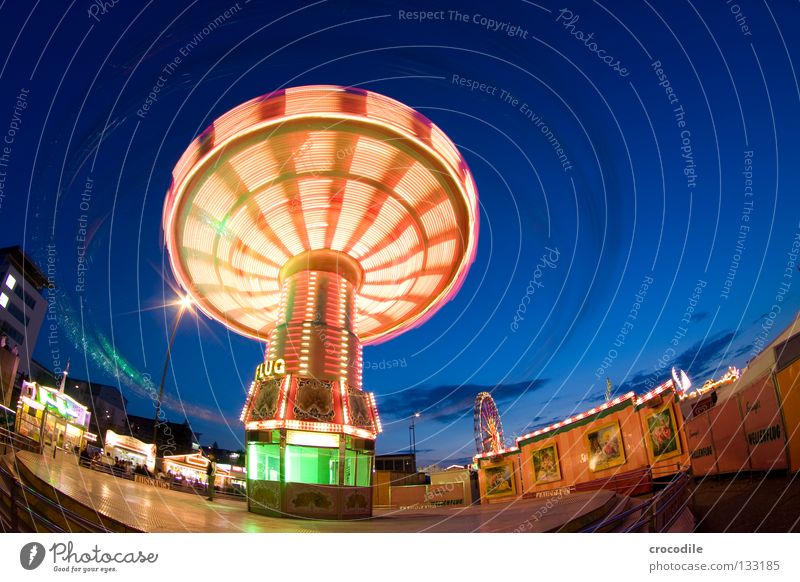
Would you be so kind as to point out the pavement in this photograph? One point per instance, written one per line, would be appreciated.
(151, 509)
(748, 503)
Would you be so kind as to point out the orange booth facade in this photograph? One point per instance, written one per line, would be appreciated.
(752, 424)
(622, 444)
(499, 476)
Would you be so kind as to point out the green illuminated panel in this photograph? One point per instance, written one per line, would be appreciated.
(350, 467)
(263, 462)
(319, 466)
(364, 470)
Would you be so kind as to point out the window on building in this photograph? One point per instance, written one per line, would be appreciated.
(11, 332)
(29, 301)
(10, 281)
(18, 314)
(3, 299)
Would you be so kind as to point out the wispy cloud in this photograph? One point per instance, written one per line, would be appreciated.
(447, 403)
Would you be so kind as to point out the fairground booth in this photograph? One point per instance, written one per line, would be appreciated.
(192, 468)
(624, 444)
(749, 421)
(131, 449)
(52, 418)
(318, 219)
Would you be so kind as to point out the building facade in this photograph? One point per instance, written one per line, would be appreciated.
(22, 306)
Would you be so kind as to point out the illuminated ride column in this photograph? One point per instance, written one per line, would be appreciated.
(310, 427)
(316, 220)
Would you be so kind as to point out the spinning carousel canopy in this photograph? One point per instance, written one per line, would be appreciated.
(321, 168)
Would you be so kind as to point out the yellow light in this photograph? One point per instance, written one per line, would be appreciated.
(312, 439)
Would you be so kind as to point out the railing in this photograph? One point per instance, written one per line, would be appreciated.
(17, 442)
(203, 491)
(173, 485)
(107, 469)
(656, 514)
(18, 514)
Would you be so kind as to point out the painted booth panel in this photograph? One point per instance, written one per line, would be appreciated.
(788, 381)
(541, 465)
(763, 427)
(701, 445)
(499, 480)
(728, 436)
(601, 462)
(607, 447)
(664, 438)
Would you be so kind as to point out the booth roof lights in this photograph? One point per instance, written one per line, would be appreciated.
(496, 453)
(378, 425)
(310, 426)
(732, 375)
(312, 438)
(577, 417)
(620, 399)
(653, 393)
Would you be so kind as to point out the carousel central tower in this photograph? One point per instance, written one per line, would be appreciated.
(318, 219)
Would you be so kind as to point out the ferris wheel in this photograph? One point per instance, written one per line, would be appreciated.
(488, 428)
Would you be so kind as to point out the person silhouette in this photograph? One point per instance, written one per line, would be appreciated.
(211, 473)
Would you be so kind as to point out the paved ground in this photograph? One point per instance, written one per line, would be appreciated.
(157, 510)
(748, 504)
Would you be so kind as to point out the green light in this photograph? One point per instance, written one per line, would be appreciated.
(364, 475)
(263, 462)
(315, 465)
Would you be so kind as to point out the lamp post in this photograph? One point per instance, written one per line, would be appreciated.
(184, 303)
(412, 436)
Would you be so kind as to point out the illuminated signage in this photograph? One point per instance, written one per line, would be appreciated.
(55, 400)
(312, 439)
(128, 442)
(51, 400)
(271, 368)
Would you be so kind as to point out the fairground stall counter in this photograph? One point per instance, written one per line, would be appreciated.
(191, 468)
(52, 418)
(127, 448)
(749, 422)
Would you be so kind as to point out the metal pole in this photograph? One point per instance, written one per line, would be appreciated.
(413, 436)
(164, 376)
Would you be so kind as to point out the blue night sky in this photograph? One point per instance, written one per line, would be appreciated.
(661, 236)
